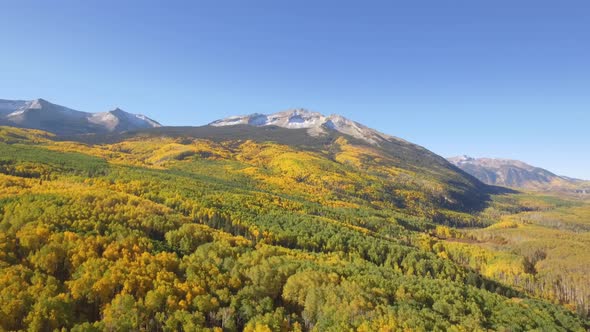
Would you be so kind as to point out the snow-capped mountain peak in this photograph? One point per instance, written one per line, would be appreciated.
(38, 103)
(43, 109)
(315, 123)
(119, 120)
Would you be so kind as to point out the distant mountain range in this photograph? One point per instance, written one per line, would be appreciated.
(333, 137)
(41, 114)
(297, 126)
(517, 174)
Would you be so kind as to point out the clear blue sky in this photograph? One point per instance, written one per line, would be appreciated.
(499, 78)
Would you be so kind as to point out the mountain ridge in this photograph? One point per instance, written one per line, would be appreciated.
(334, 137)
(316, 124)
(44, 115)
(516, 174)
(73, 124)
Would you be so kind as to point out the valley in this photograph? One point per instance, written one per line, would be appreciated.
(540, 249)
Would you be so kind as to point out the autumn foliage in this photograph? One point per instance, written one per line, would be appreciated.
(186, 234)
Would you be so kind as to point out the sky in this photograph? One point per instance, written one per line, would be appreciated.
(499, 78)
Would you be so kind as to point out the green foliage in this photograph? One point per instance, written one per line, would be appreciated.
(37, 162)
(215, 240)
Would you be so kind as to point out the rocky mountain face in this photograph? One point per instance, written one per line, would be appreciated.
(41, 114)
(516, 174)
(315, 123)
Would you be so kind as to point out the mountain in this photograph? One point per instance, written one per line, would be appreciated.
(315, 123)
(118, 120)
(41, 114)
(516, 174)
(386, 150)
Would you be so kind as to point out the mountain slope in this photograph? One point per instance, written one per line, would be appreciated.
(9, 106)
(454, 187)
(41, 114)
(516, 174)
(399, 170)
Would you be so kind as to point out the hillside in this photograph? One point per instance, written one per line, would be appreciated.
(517, 174)
(378, 149)
(231, 228)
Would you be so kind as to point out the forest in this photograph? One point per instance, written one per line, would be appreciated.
(183, 233)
